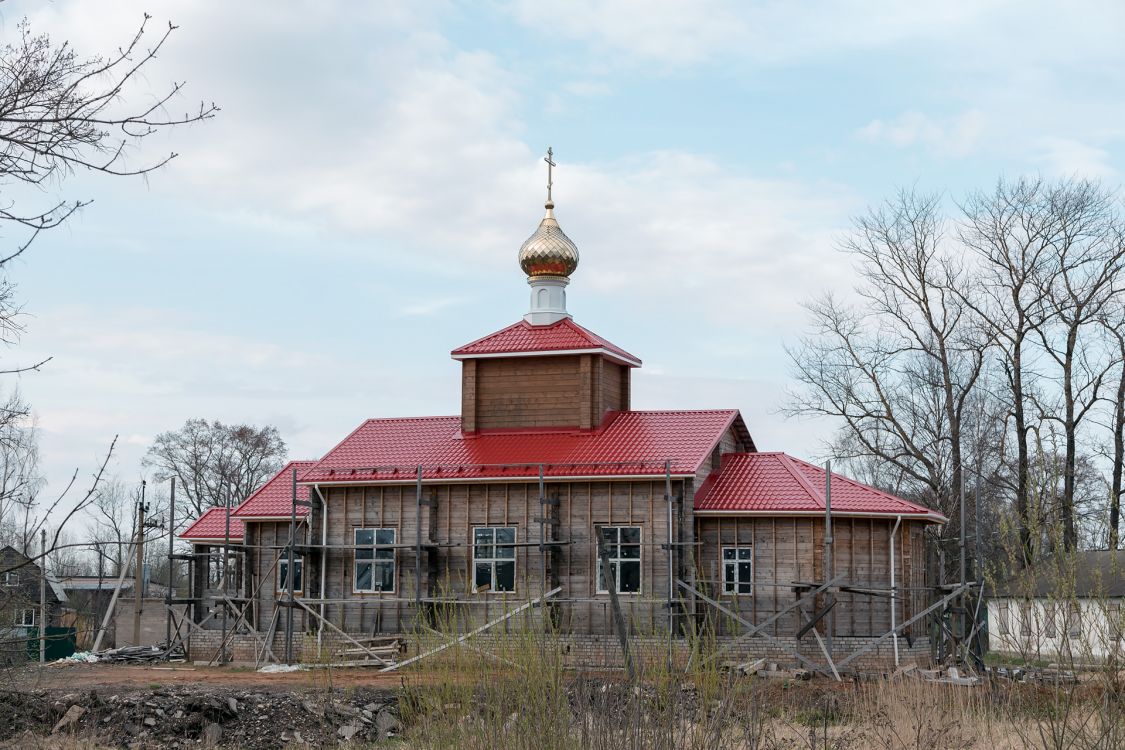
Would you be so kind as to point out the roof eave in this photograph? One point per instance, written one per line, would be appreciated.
(930, 517)
(628, 361)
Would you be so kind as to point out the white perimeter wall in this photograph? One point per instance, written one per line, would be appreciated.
(1080, 629)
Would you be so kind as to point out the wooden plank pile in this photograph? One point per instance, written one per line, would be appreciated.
(142, 654)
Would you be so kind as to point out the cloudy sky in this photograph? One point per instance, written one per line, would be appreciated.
(354, 212)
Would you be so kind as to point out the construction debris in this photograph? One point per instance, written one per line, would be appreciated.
(190, 717)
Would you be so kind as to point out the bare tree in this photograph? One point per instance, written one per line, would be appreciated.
(1010, 231)
(1088, 253)
(899, 369)
(1115, 328)
(213, 462)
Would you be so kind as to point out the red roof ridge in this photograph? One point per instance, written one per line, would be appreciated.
(787, 462)
(523, 338)
(857, 483)
(196, 528)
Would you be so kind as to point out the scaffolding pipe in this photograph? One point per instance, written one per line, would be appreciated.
(289, 567)
(671, 562)
(418, 544)
(42, 596)
(171, 564)
(226, 576)
(894, 590)
(829, 562)
(323, 563)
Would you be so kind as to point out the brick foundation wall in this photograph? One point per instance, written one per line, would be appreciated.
(593, 651)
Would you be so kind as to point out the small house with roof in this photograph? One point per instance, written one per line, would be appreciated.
(550, 483)
(1070, 607)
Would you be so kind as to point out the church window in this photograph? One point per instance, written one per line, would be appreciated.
(623, 544)
(494, 559)
(298, 574)
(374, 560)
(738, 570)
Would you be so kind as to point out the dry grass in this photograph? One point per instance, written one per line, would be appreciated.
(523, 697)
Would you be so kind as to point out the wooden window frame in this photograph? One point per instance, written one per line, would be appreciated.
(1050, 618)
(492, 561)
(1025, 619)
(22, 621)
(1002, 616)
(1073, 620)
(730, 588)
(299, 563)
(639, 559)
(11, 578)
(374, 559)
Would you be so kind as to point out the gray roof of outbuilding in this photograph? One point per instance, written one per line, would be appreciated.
(1093, 573)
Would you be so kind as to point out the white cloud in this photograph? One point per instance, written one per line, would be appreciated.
(956, 136)
(1065, 157)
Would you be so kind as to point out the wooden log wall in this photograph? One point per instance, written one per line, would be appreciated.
(449, 518)
(791, 550)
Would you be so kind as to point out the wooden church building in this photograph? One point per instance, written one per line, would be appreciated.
(551, 488)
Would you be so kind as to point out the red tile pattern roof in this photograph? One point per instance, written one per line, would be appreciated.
(777, 483)
(524, 338)
(212, 525)
(629, 443)
(274, 499)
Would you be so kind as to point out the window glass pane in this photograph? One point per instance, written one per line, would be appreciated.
(363, 576)
(609, 534)
(364, 536)
(728, 577)
(297, 576)
(384, 536)
(745, 572)
(630, 577)
(364, 553)
(728, 554)
(482, 536)
(483, 577)
(385, 576)
(631, 535)
(505, 576)
(506, 535)
(630, 551)
(744, 588)
(746, 553)
(382, 553)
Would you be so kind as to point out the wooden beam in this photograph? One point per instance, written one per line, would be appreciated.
(491, 623)
(755, 629)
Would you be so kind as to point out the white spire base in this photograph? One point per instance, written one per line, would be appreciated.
(548, 300)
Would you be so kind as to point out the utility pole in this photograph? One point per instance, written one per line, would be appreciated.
(43, 596)
(138, 573)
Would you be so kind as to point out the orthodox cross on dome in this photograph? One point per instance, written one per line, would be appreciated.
(550, 164)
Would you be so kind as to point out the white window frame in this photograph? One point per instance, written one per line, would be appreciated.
(23, 619)
(495, 559)
(375, 560)
(731, 587)
(11, 578)
(282, 571)
(616, 560)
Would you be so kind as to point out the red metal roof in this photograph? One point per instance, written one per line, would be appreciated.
(524, 338)
(274, 499)
(629, 443)
(767, 483)
(212, 525)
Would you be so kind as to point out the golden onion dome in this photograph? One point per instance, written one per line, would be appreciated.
(548, 252)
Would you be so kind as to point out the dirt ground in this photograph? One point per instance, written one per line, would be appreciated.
(118, 676)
